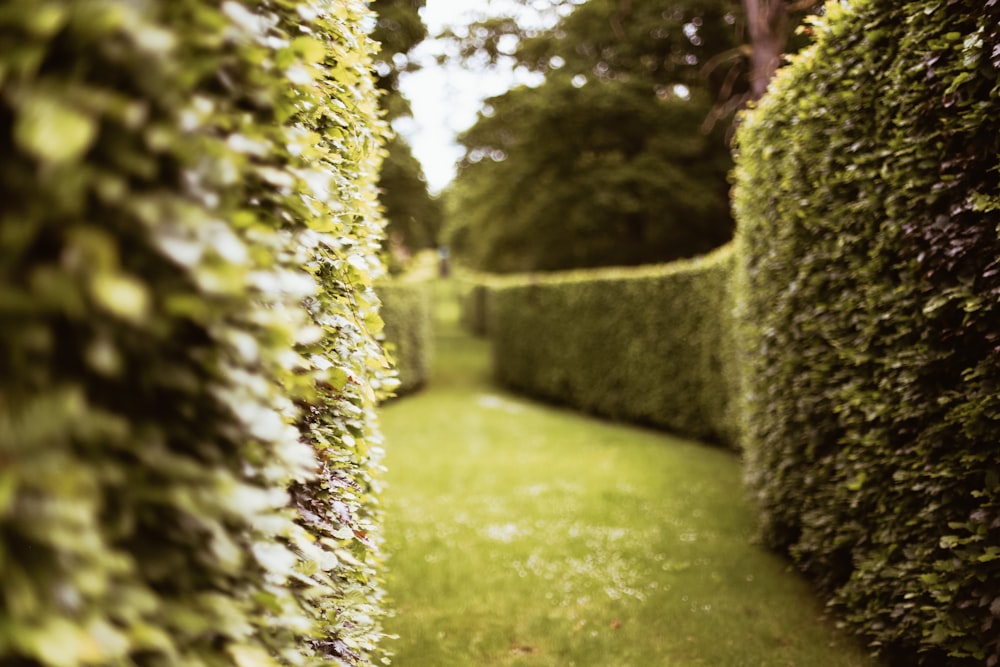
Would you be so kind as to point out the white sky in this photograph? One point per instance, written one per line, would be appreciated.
(445, 100)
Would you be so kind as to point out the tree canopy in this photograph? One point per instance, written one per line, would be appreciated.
(595, 175)
(620, 156)
(609, 161)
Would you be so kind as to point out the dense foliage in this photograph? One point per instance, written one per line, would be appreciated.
(601, 175)
(406, 309)
(620, 156)
(613, 159)
(651, 345)
(869, 203)
(187, 334)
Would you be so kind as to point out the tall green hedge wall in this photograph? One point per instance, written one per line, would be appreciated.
(406, 309)
(868, 202)
(651, 345)
(188, 234)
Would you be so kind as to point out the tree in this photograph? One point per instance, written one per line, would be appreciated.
(414, 216)
(610, 160)
(768, 24)
(698, 43)
(398, 29)
(627, 182)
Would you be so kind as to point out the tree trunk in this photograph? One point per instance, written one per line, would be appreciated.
(767, 21)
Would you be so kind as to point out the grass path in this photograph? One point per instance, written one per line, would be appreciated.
(519, 534)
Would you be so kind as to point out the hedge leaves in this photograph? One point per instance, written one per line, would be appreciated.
(188, 355)
(868, 202)
(647, 344)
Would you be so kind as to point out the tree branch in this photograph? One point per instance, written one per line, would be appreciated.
(741, 51)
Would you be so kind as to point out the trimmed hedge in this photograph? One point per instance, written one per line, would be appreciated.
(474, 297)
(868, 202)
(650, 345)
(187, 334)
(406, 309)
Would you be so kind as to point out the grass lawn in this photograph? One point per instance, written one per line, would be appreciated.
(519, 534)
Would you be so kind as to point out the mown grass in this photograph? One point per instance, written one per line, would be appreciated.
(519, 534)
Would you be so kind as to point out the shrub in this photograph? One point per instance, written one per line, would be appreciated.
(650, 345)
(868, 205)
(187, 334)
(406, 309)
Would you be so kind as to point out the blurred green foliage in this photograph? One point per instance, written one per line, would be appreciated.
(414, 217)
(398, 30)
(868, 206)
(473, 302)
(616, 158)
(188, 355)
(651, 345)
(406, 309)
(592, 176)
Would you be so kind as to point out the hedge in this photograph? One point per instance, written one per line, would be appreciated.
(868, 207)
(187, 334)
(406, 309)
(651, 345)
(474, 295)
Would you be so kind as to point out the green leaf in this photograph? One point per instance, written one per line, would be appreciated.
(59, 643)
(51, 130)
(991, 554)
(122, 295)
(309, 49)
(45, 20)
(949, 541)
(250, 656)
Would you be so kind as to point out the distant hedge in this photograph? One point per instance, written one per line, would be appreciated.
(406, 309)
(868, 200)
(651, 345)
(188, 237)
(474, 295)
